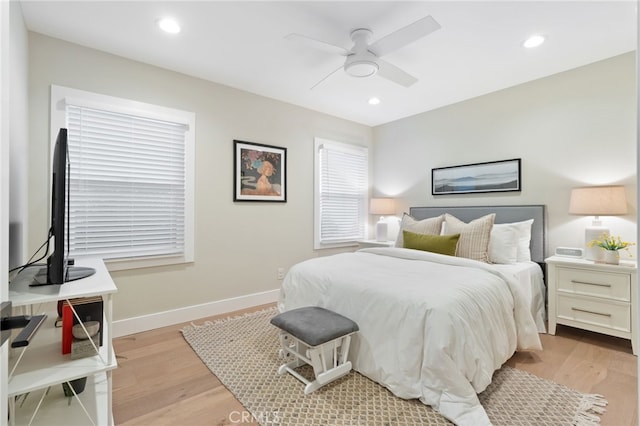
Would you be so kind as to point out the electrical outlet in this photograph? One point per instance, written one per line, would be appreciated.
(281, 273)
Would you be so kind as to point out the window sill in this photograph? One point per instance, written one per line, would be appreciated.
(148, 262)
(335, 245)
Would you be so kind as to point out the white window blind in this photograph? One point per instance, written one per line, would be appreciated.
(341, 192)
(127, 184)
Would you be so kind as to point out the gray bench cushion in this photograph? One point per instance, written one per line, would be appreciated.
(314, 325)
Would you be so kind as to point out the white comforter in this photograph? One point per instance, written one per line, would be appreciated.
(432, 327)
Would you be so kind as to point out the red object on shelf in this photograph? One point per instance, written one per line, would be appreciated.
(88, 309)
(67, 326)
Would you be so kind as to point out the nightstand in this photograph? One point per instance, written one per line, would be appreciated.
(594, 296)
(375, 243)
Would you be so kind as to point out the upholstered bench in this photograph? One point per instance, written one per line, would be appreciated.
(318, 337)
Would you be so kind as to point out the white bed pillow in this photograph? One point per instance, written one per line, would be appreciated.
(516, 234)
(431, 226)
(474, 236)
(524, 239)
(503, 244)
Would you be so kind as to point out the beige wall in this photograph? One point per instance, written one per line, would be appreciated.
(571, 129)
(238, 246)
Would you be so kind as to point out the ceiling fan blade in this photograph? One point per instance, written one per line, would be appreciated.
(404, 36)
(326, 77)
(317, 44)
(395, 74)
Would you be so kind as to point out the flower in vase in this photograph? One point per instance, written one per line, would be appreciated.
(611, 243)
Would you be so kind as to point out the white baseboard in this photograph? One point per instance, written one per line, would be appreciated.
(190, 313)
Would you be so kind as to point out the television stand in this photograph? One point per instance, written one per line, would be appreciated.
(43, 366)
(73, 273)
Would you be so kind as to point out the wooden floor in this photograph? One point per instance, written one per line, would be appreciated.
(161, 381)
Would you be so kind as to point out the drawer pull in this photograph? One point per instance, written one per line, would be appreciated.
(590, 312)
(588, 283)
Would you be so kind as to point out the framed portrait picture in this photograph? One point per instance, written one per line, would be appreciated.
(493, 176)
(260, 172)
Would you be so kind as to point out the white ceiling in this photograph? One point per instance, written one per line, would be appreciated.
(241, 44)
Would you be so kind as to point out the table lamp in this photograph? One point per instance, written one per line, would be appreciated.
(597, 201)
(382, 206)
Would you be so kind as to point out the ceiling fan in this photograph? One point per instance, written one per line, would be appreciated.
(364, 58)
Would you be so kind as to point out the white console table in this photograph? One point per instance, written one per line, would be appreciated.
(42, 368)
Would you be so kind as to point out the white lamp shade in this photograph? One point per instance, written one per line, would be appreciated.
(382, 206)
(598, 201)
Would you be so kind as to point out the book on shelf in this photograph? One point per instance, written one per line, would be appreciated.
(87, 309)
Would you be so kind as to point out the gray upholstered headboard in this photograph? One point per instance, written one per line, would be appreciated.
(504, 214)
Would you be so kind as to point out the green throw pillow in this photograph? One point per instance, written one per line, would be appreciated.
(443, 244)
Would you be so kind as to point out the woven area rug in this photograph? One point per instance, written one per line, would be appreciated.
(243, 353)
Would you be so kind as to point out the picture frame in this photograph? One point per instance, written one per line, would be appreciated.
(492, 176)
(260, 172)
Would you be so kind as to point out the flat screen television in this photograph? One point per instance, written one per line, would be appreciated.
(59, 267)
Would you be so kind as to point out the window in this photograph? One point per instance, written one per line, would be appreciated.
(130, 181)
(341, 189)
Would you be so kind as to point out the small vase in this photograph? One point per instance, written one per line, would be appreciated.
(611, 257)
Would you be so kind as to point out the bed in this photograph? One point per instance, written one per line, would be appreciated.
(434, 327)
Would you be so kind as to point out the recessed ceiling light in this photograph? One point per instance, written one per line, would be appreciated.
(533, 41)
(169, 25)
(374, 101)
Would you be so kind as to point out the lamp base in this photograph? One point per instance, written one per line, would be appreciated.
(381, 230)
(591, 233)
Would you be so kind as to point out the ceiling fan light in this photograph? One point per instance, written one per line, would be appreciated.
(361, 68)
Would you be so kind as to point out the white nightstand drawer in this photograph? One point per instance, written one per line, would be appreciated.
(594, 283)
(612, 315)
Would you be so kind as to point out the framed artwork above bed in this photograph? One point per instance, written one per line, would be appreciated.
(493, 176)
